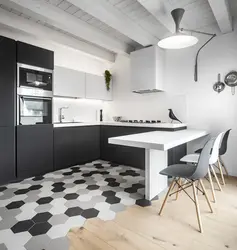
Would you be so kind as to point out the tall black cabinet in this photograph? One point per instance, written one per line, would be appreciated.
(7, 109)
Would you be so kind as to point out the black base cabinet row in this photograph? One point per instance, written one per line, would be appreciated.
(42, 148)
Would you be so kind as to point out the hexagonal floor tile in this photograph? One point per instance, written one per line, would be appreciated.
(92, 187)
(42, 217)
(90, 213)
(102, 206)
(73, 211)
(106, 215)
(15, 204)
(117, 207)
(113, 200)
(79, 181)
(72, 196)
(143, 203)
(44, 200)
(40, 228)
(35, 187)
(22, 226)
(108, 193)
(58, 219)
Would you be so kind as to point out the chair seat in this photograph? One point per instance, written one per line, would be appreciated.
(191, 158)
(179, 170)
(198, 151)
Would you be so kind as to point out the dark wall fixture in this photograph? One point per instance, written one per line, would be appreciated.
(231, 80)
(196, 58)
(219, 86)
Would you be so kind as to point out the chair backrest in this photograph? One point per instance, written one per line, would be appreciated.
(203, 162)
(215, 149)
(224, 141)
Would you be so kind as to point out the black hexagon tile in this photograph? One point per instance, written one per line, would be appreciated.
(90, 213)
(40, 228)
(22, 226)
(44, 200)
(15, 204)
(71, 196)
(73, 211)
(42, 217)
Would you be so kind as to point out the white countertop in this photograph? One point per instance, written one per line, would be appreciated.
(125, 124)
(159, 140)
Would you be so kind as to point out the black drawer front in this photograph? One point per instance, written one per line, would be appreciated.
(34, 150)
(76, 145)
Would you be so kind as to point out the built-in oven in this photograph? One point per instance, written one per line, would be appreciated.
(34, 95)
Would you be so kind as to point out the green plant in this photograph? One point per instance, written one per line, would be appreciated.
(108, 77)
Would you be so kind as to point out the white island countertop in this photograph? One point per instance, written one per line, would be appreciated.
(161, 125)
(158, 140)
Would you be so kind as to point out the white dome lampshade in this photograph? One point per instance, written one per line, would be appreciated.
(178, 40)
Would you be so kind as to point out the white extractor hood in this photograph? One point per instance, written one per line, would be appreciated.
(147, 70)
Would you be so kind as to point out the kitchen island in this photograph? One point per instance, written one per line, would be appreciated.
(156, 145)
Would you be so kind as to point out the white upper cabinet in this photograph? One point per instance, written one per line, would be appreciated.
(69, 83)
(96, 88)
(147, 70)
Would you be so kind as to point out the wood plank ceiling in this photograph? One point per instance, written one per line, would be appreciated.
(146, 14)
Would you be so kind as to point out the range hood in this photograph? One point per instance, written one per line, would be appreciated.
(147, 70)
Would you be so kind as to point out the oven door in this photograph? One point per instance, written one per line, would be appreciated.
(34, 110)
(34, 77)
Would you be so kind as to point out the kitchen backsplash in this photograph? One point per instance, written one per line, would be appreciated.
(78, 109)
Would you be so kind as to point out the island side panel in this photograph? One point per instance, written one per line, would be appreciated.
(155, 161)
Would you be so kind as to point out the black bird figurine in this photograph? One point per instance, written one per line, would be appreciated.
(172, 116)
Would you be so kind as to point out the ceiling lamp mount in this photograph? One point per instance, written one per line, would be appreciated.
(181, 40)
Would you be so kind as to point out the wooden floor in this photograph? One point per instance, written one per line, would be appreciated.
(177, 228)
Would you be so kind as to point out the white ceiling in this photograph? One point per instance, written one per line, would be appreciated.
(126, 26)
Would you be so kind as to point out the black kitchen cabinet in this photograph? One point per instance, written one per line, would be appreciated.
(7, 81)
(131, 156)
(35, 56)
(34, 150)
(7, 154)
(76, 145)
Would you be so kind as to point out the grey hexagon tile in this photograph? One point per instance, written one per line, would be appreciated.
(38, 242)
(43, 208)
(73, 203)
(59, 244)
(58, 219)
(117, 207)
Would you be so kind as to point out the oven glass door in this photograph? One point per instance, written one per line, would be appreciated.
(35, 79)
(35, 110)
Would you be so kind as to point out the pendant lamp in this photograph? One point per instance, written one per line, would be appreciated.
(178, 40)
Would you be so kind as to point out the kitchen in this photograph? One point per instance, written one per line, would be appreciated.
(81, 139)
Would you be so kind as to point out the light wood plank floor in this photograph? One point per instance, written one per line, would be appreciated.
(143, 229)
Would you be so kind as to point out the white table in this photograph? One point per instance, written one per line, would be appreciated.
(156, 146)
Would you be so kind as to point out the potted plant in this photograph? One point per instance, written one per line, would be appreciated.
(108, 77)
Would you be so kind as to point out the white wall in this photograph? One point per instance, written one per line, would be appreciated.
(194, 102)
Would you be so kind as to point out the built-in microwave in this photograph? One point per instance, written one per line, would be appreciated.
(34, 77)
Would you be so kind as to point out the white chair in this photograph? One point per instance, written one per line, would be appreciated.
(193, 158)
